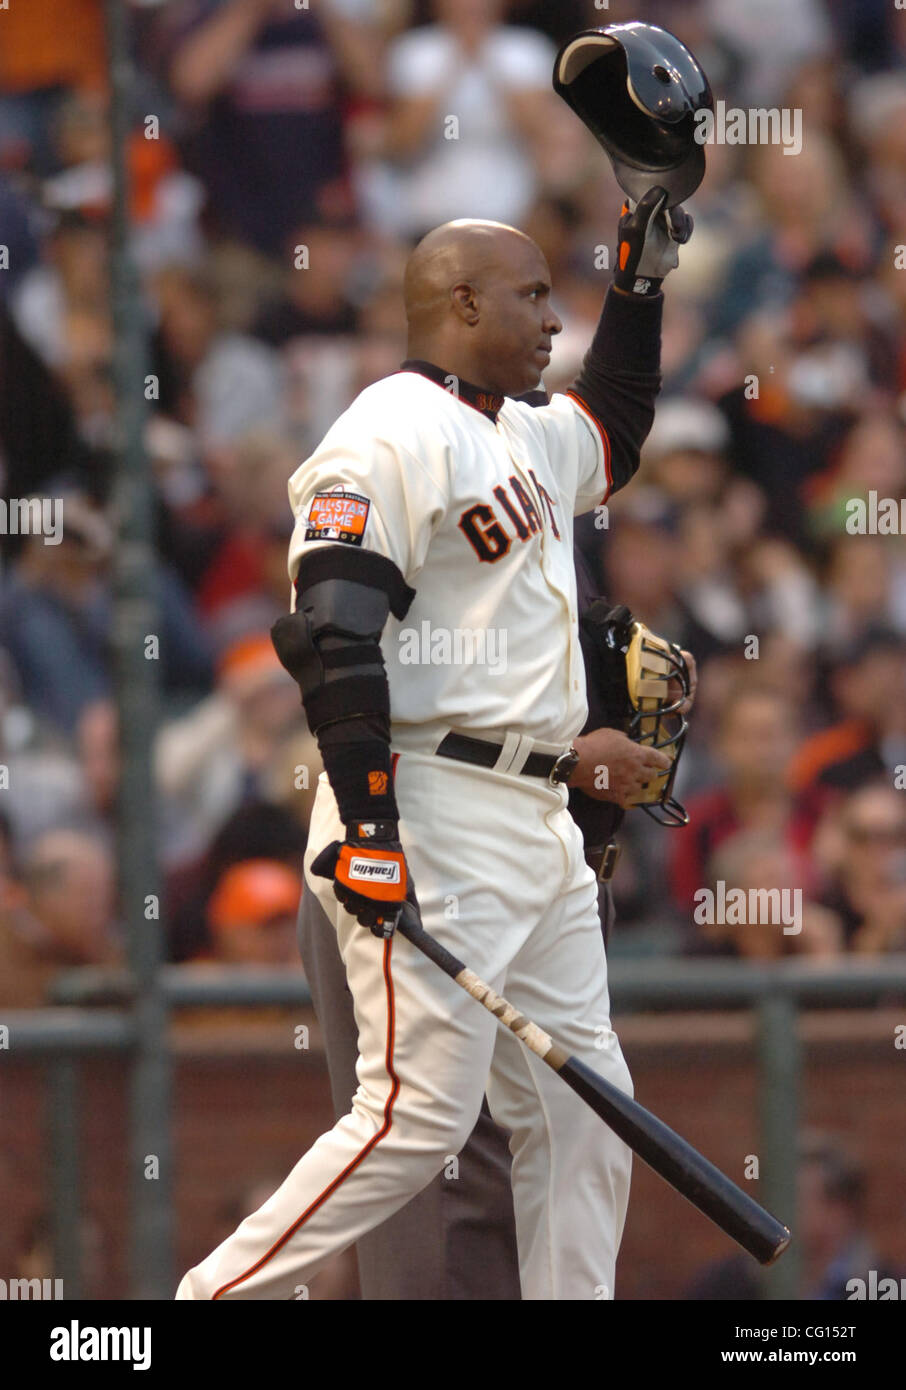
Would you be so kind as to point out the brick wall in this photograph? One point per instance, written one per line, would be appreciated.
(248, 1103)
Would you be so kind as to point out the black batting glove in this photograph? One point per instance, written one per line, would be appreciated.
(647, 239)
(370, 874)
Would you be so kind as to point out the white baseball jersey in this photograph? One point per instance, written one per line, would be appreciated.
(478, 517)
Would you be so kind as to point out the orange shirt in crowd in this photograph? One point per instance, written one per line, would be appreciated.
(60, 43)
(828, 747)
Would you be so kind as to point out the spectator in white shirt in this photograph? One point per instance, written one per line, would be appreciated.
(471, 110)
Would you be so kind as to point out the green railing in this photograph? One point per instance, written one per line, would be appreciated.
(77, 1027)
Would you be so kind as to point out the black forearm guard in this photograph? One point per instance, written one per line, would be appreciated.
(620, 377)
(331, 647)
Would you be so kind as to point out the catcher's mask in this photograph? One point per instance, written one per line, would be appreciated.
(638, 89)
(652, 715)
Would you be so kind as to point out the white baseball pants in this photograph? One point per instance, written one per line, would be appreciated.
(501, 880)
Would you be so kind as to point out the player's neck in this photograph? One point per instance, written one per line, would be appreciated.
(457, 360)
(488, 402)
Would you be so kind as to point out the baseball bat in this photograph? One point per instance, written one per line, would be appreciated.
(677, 1162)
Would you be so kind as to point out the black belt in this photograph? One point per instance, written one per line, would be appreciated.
(483, 753)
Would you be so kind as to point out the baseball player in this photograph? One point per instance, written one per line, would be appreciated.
(457, 1239)
(434, 508)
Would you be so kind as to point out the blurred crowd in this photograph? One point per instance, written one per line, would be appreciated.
(284, 159)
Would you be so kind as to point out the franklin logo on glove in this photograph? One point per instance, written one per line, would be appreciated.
(367, 868)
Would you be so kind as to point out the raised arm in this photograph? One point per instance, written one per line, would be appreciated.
(620, 377)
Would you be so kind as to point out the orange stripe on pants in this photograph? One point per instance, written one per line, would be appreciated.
(362, 1154)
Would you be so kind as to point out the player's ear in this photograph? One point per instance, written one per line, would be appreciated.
(464, 299)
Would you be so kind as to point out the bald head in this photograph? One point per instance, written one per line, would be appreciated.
(476, 298)
(462, 251)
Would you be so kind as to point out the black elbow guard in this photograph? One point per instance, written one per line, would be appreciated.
(331, 644)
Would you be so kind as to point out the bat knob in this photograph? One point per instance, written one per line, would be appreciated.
(781, 1245)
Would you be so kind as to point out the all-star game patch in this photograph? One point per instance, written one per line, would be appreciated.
(338, 516)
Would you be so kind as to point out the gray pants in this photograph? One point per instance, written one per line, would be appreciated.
(457, 1238)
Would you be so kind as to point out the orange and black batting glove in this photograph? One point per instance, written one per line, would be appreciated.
(647, 239)
(369, 872)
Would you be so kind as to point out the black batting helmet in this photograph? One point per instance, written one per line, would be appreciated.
(638, 89)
